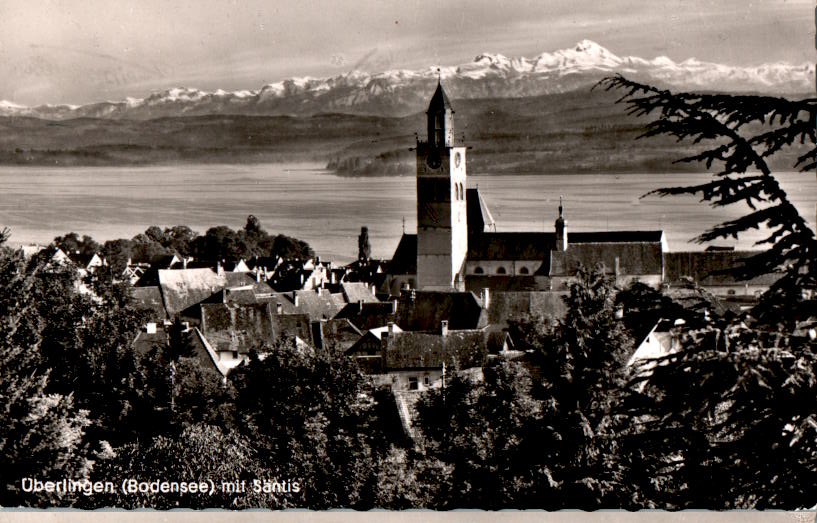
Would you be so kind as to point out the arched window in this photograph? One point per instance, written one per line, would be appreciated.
(462, 191)
(501, 270)
(478, 270)
(523, 270)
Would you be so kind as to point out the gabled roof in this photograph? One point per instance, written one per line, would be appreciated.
(633, 258)
(369, 316)
(704, 267)
(338, 334)
(149, 298)
(425, 310)
(418, 350)
(83, 260)
(357, 292)
(321, 306)
(182, 288)
(145, 342)
(404, 260)
(513, 305)
(234, 327)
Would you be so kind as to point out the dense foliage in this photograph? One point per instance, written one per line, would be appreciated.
(726, 418)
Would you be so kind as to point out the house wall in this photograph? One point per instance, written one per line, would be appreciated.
(736, 290)
(399, 380)
(559, 283)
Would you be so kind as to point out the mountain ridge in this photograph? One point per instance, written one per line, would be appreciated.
(401, 92)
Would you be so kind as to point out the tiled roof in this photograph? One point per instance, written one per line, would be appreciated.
(511, 305)
(425, 310)
(417, 350)
(321, 306)
(500, 246)
(234, 327)
(369, 316)
(144, 342)
(357, 292)
(182, 288)
(149, 298)
(633, 258)
(338, 335)
(703, 267)
(288, 326)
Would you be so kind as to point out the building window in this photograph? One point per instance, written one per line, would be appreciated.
(501, 270)
(478, 270)
(523, 270)
(426, 381)
(413, 385)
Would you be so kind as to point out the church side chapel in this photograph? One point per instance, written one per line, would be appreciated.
(457, 248)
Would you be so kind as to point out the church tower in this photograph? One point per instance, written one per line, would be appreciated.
(442, 227)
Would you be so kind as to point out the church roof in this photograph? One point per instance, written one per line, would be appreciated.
(439, 100)
(478, 215)
(498, 246)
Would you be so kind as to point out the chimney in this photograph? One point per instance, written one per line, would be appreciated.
(394, 306)
(319, 290)
(373, 290)
(219, 268)
(258, 276)
(618, 267)
(295, 298)
(444, 328)
(333, 280)
(279, 308)
(151, 328)
(184, 262)
(360, 305)
(485, 295)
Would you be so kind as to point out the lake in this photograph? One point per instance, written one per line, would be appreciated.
(307, 202)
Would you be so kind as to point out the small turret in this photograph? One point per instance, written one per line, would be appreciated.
(561, 229)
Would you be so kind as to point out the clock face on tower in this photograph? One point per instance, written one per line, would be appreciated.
(433, 161)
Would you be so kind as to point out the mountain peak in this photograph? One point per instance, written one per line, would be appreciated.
(401, 92)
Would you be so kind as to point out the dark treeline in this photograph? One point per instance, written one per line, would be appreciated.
(218, 243)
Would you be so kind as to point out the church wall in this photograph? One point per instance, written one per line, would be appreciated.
(511, 267)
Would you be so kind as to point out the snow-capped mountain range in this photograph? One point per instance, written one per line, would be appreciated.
(400, 92)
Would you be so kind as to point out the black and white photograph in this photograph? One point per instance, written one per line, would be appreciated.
(506, 255)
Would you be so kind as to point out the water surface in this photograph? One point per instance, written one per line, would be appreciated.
(305, 201)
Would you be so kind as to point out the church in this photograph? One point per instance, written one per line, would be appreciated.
(457, 248)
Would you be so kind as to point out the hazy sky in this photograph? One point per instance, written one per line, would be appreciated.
(73, 51)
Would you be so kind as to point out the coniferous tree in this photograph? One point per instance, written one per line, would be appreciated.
(740, 134)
